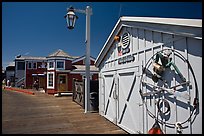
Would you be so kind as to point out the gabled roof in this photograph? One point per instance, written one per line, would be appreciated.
(61, 53)
(155, 24)
(81, 58)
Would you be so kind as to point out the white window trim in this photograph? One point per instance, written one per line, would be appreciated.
(51, 87)
(63, 64)
(48, 65)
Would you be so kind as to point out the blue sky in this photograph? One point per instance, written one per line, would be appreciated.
(39, 28)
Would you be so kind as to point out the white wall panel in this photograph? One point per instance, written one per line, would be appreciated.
(127, 109)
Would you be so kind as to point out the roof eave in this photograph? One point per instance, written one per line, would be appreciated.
(168, 21)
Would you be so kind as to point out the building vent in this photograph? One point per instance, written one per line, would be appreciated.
(125, 40)
(18, 56)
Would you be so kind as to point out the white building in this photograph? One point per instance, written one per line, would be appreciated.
(134, 90)
(10, 73)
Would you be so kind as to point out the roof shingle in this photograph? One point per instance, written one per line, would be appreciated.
(61, 53)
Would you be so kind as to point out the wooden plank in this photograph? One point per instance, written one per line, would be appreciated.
(32, 116)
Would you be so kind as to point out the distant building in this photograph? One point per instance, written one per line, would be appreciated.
(55, 72)
(63, 68)
(3, 74)
(10, 73)
(28, 69)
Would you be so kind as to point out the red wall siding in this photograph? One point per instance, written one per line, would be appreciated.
(70, 80)
(81, 62)
(29, 80)
(51, 91)
(51, 70)
(68, 64)
(29, 72)
(78, 62)
(92, 62)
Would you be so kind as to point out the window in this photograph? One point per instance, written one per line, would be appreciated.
(29, 65)
(60, 64)
(50, 80)
(43, 65)
(20, 65)
(51, 65)
(34, 65)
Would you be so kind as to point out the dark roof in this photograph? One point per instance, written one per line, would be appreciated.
(10, 68)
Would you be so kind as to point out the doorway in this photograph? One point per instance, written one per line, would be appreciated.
(62, 82)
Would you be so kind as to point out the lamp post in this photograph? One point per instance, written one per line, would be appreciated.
(71, 19)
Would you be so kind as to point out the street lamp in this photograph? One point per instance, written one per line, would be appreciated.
(71, 19)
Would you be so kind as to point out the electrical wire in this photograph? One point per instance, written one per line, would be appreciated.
(120, 11)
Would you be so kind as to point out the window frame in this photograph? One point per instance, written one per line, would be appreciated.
(35, 65)
(48, 80)
(48, 65)
(43, 65)
(30, 65)
(63, 61)
(23, 64)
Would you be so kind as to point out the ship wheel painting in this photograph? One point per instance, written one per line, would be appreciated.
(163, 82)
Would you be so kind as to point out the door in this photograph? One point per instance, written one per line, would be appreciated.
(62, 83)
(110, 97)
(122, 104)
(42, 82)
(129, 109)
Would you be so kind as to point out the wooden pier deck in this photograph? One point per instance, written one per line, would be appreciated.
(45, 114)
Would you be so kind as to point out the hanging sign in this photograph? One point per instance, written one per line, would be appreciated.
(126, 59)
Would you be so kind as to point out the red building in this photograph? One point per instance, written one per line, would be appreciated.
(28, 69)
(63, 68)
(55, 72)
